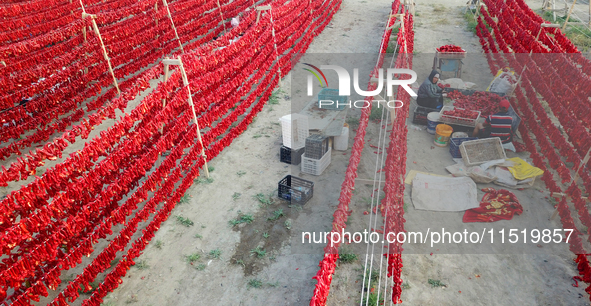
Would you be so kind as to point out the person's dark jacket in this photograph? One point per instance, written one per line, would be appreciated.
(429, 89)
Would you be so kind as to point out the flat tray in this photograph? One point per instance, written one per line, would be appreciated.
(327, 122)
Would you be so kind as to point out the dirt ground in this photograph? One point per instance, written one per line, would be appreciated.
(223, 259)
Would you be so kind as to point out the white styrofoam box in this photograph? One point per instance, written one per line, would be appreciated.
(341, 143)
(294, 128)
(316, 166)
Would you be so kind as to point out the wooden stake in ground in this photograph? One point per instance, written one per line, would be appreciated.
(173, 27)
(568, 16)
(221, 16)
(265, 8)
(166, 75)
(585, 161)
(105, 55)
(543, 25)
(179, 62)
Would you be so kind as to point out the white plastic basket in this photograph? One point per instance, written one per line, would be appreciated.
(316, 166)
(294, 128)
(480, 151)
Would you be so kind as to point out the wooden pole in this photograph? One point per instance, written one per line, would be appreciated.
(265, 8)
(543, 25)
(173, 27)
(156, 11)
(585, 161)
(261, 8)
(166, 74)
(222, 16)
(275, 46)
(105, 55)
(186, 83)
(559, 194)
(568, 16)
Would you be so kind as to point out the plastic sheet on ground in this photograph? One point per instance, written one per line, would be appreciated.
(521, 170)
(443, 193)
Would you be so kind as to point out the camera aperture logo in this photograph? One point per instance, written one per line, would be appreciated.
(310, 93)
(344, 80)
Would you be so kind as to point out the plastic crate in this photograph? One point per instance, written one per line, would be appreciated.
(420, 115)
(476, 152)
(295, 189)
(333, 95)
(316, 146)
(316, 166)
(294, 128)
(457, 120)
(450, 55)
(454, 145)
(291, 156)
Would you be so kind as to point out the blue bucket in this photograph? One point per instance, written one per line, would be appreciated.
(432, 122)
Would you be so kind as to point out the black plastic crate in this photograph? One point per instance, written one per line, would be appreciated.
(420, 115)
(316, 146)
(291, 156)
(454, 145)
(295, 189)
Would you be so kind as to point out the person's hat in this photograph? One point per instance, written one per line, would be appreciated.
(504, 104)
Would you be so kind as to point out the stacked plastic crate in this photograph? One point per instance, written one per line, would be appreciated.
(294, 128)
(317, 155)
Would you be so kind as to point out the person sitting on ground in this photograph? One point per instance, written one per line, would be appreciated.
(430, 95)
(497, 125)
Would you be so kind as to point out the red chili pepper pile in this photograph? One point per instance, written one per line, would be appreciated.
(50, 223)
(546, 76)
(461, 113)
(450, 48)
(485, 102)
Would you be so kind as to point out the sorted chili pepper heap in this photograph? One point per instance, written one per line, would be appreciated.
(461, 113)
(485, 102)
(450, 48)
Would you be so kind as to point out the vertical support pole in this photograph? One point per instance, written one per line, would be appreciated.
(156, 11)
(221, 16)
(173, 27)
(86, 54)
(568, 16)
(269, 8)
(156, 17)
(275, 45)
(543, 25)
(186, 83)
(554, 9)
(166, 74)
(585, 161)
(83, 34)
(105, 55)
